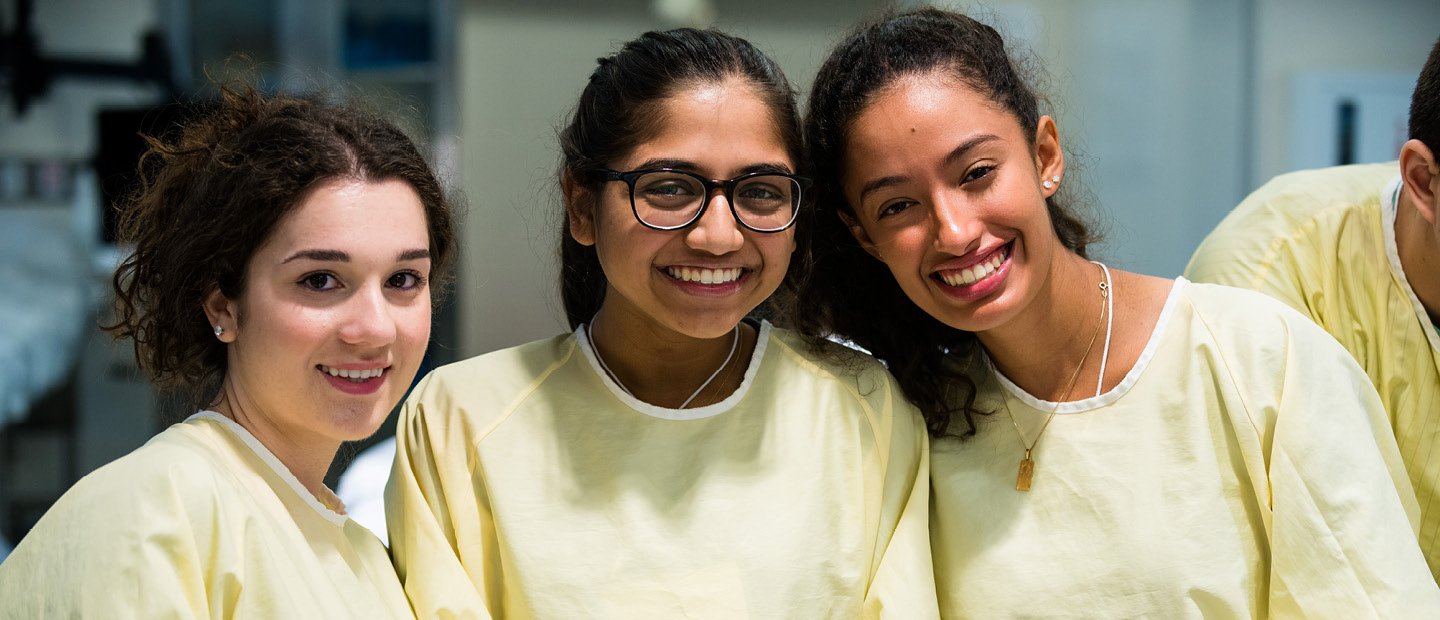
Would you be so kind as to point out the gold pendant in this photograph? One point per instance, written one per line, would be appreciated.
(1027, 471)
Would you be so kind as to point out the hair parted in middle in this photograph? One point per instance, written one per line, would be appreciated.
(834, 287)
(620, 108)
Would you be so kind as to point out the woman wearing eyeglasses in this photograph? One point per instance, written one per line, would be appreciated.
(672, 457)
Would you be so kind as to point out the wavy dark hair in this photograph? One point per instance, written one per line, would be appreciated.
(211, 193)
(620, 108)
(834, 287)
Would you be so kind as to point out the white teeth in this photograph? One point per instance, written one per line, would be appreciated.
(705, 276)
(353, 375)
(974, 273)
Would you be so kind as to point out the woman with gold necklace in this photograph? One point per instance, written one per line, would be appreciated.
(1104, 444)
(670, 457)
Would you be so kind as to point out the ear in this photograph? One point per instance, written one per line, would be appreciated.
(1420, 172)
(579, 209)
(222, 312)
(858, 231)
(1049, 157)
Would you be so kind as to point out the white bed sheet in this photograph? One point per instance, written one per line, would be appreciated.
(47, 297)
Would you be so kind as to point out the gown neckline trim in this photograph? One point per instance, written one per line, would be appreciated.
(665, 413)
(273, 462)
(1114, 394)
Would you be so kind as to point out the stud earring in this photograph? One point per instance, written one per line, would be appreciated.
(1047, 185)
(219, 330)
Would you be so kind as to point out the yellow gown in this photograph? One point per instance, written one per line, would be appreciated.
(1323, 241)
(1243, 468)
(528, 485)
(200, 522)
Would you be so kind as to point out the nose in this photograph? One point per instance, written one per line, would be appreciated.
(716, 232)
(957, 231)
(369, 319)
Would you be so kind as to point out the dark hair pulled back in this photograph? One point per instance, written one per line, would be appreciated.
(834, 287)
(1425, 102)
(620, 108)
(212, 192)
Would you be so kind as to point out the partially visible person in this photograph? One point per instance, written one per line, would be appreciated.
(1105, 444)
(672, 456)
(1357, 249)
(286, 253)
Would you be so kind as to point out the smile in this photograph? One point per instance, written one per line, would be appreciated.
(705, 276)
(975, 273)
(356, 376)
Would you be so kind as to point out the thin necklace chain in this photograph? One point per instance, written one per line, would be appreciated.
(1107, 302)
(734, 344)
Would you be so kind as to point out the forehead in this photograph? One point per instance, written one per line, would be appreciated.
(721, 126)
(360, 217)
(932, 109)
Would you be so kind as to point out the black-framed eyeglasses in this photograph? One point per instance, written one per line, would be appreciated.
(669, 199)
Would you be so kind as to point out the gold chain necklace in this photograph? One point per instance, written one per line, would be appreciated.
(1027, 465)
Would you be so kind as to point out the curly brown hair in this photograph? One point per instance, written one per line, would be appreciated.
(211, 193)
(834, 287)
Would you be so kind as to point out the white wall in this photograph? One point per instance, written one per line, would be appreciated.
(1294, 36)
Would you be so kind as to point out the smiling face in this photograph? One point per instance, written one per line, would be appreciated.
(335, 314)
(699, 281)
(948, 192)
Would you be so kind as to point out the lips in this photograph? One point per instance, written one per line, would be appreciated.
(355, 380)
(976, 272)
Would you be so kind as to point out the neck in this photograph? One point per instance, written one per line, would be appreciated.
(308, 457)
(1039, 349)
(1419, 248)
(664, 367)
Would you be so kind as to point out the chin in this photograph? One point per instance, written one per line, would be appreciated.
(358, 425)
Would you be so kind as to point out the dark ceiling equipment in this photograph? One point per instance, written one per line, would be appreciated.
(30, 75)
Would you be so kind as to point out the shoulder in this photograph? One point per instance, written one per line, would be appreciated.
(854, 375)
(171, 482)
(1305, 207)
(830, 361)
(482, 389)
(1299, 195)
(1252, 330)
(499, 373)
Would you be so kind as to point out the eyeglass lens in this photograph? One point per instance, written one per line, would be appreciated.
(667, 199)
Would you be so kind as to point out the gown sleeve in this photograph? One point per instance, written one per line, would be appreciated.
(1343, 516)
(117, 545)
(903, 582)
(442, 533)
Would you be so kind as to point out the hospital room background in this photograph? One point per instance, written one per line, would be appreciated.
(1172, 110)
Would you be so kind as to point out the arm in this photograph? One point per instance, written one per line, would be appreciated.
(1343, 538)
(902, 584)
(434, 515)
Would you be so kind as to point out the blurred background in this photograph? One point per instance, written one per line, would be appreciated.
(1172, 109)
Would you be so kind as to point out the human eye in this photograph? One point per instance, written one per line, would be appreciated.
(319, 281)
(763, 195)
(893, 208)
(406, 280)
(977, 173)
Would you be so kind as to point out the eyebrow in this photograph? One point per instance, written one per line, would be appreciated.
(956, 153)
(341, 257)
(690, 166)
